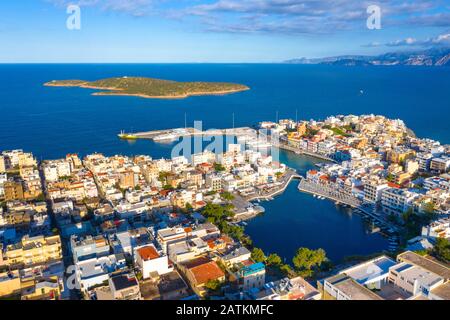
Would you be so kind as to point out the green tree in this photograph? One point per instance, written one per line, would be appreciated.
(218, 167)
(189, 207)
(306, 261)
(213, 285)
(163, 176)
(429, 208)
(258, 255)
(441, 250)
(273, 260)
(227, 196)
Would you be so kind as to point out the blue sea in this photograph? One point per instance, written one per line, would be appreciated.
(51, 122)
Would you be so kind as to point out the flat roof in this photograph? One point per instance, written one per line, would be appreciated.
(370, 269)
(443, 291)
(351, 288)
(433, 266)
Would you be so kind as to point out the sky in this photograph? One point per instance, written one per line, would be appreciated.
(176, 31)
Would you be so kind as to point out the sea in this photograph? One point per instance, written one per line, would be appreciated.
(51, 122)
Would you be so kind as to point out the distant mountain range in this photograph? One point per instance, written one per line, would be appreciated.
(431, 57)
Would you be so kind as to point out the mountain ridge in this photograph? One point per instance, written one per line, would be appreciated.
(430, 57)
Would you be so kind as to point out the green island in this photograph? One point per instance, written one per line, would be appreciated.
(151, 88)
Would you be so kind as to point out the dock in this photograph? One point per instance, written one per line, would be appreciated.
(177, 133)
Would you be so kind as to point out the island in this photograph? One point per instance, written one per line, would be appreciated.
(151, 88)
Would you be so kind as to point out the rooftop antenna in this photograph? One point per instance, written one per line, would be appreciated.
(277, 116)
(233, 120)
(185, 121)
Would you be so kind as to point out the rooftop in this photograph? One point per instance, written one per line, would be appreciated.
(352, 289)
(205, 270)
(364, 272)
(124, 281)
(148, 253)
(435, 267)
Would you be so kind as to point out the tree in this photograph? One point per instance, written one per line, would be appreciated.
(163, 176)
(258, 255)
(189, 207)
(306, 261)
(286, 270)
(429, 208)
(213, 285)
(442, 250)
(273, 260)
(218, 167)
(216, 213)
(227, 196)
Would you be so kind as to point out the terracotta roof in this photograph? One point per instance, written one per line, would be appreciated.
(205, 272)
(393, 185)
(148, 253)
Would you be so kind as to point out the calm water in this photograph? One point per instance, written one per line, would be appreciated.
(295, 219)
(51, 122)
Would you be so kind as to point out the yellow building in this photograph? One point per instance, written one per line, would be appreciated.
(9, 283)
(44, 289)
(2, 164)
(27, 160)
(127, 179)
(399, 155)
(13, 190)
(402, 177)
(301, 129)
(34, 251)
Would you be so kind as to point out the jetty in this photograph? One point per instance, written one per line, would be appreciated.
(177, 133)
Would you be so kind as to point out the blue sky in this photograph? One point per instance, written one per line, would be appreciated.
(215, 30)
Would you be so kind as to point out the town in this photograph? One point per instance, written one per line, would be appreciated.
(137, 228)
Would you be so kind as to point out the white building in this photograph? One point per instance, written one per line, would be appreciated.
(150, 261)
(397, 200)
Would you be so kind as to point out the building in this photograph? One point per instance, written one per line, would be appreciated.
(441, 164)
(397, 200)
(343, 287)
(286, 289)
(400, 155)
(13, 190)
(414, 280)
(214, 182)
(411, 277)
(124, 286)
(42, 289)
(199, 272)
(2, 164)
(248, 275)
(34, 251)
(437, 229)
(10, 283)
(170, 286)
(152, 263)
(84, 248)
(373, 191)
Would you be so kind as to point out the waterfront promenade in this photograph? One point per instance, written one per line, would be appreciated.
(343, 198)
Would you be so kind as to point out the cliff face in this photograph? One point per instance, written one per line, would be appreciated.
(433, 57)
